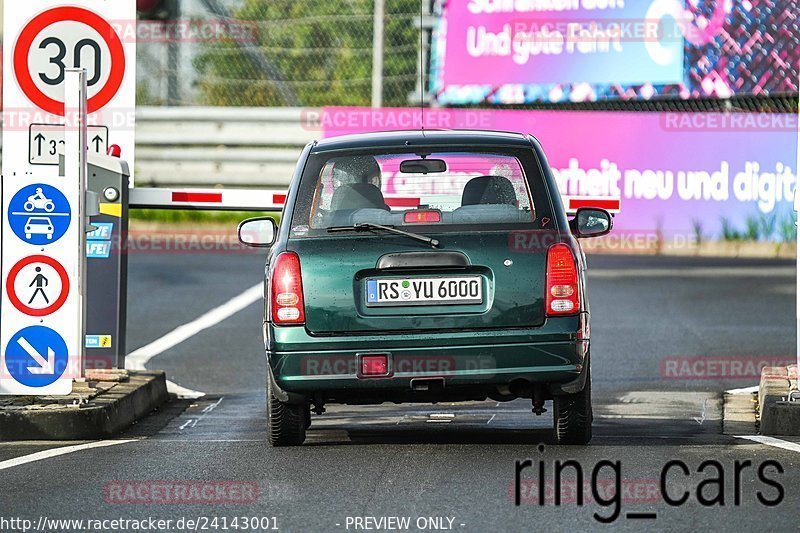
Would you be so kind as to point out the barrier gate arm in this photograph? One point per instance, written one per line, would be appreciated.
(610, 204)
(207, 199)
(274, 200)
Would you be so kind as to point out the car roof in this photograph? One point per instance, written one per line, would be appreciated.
(391, 139)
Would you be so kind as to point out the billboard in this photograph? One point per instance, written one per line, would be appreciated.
(512, 52)
(672, 171)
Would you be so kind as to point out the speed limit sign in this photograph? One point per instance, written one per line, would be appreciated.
(66, 37)
(44, 38)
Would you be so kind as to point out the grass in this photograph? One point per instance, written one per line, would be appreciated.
(729, 233)
(768, 225)
(697, 229)
(787, 228)
(753, 229)
(192, 216)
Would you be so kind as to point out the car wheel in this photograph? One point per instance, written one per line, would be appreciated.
(572, 415)
(286, 423)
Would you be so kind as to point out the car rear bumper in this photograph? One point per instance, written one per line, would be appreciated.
(446, 365)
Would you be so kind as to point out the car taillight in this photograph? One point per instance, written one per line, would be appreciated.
(563, 293)
(286, 291)
(374, 365)
(422, 217)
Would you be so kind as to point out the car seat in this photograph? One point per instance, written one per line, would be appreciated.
(489, 199)
(352, 198)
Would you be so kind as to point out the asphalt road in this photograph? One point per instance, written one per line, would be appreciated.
(669, 334)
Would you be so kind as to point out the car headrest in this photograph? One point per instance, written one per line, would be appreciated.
(358, 196)
(489, 190)
(356, 169)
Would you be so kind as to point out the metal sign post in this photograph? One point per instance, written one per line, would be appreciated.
(796, 392)
(75, 161)
(377, 53)
(794, 395)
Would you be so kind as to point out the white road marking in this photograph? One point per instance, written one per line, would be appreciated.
(55, 452)
(772, 441)
(192, 422)
(746, 390)
(183, 392)
(702, 413)
(139, 358)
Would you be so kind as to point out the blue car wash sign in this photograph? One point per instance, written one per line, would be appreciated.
(39, 214)
(36, 356)
(98, 242)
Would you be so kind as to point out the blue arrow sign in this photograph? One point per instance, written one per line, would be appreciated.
(39, 214)
(36, 356)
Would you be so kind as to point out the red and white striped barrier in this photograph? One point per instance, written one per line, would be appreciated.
(208, 199)
(274, 199)
(573, 203)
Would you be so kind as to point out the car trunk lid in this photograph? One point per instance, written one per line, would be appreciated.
(372, 284)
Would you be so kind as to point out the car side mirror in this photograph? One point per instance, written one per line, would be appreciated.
(591, 222)
(258, 232)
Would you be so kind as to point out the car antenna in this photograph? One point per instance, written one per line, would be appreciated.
(421, 67)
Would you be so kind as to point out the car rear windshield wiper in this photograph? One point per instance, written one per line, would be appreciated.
(369, 226)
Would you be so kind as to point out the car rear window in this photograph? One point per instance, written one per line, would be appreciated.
(436, 190)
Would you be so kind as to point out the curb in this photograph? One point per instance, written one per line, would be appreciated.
(739, 414)
(104, 416)
(778, 416)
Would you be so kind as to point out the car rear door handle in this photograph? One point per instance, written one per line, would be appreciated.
(401, 260)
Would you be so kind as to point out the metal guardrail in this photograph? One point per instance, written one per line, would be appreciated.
(212, 146)
(199, 146)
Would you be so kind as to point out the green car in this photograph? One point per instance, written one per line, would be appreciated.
(433, 266)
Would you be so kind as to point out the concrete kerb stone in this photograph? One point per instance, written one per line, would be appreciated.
(777, 415)
(94, 412)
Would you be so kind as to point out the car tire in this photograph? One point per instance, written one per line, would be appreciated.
(286, 423)
(572, 415)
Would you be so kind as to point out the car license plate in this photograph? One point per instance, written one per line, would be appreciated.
(460, 290)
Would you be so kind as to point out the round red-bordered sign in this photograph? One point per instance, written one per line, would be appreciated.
(12, 293)
(76, 14)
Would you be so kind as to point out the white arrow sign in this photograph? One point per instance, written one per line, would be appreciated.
(46, 366)
(47, 140)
